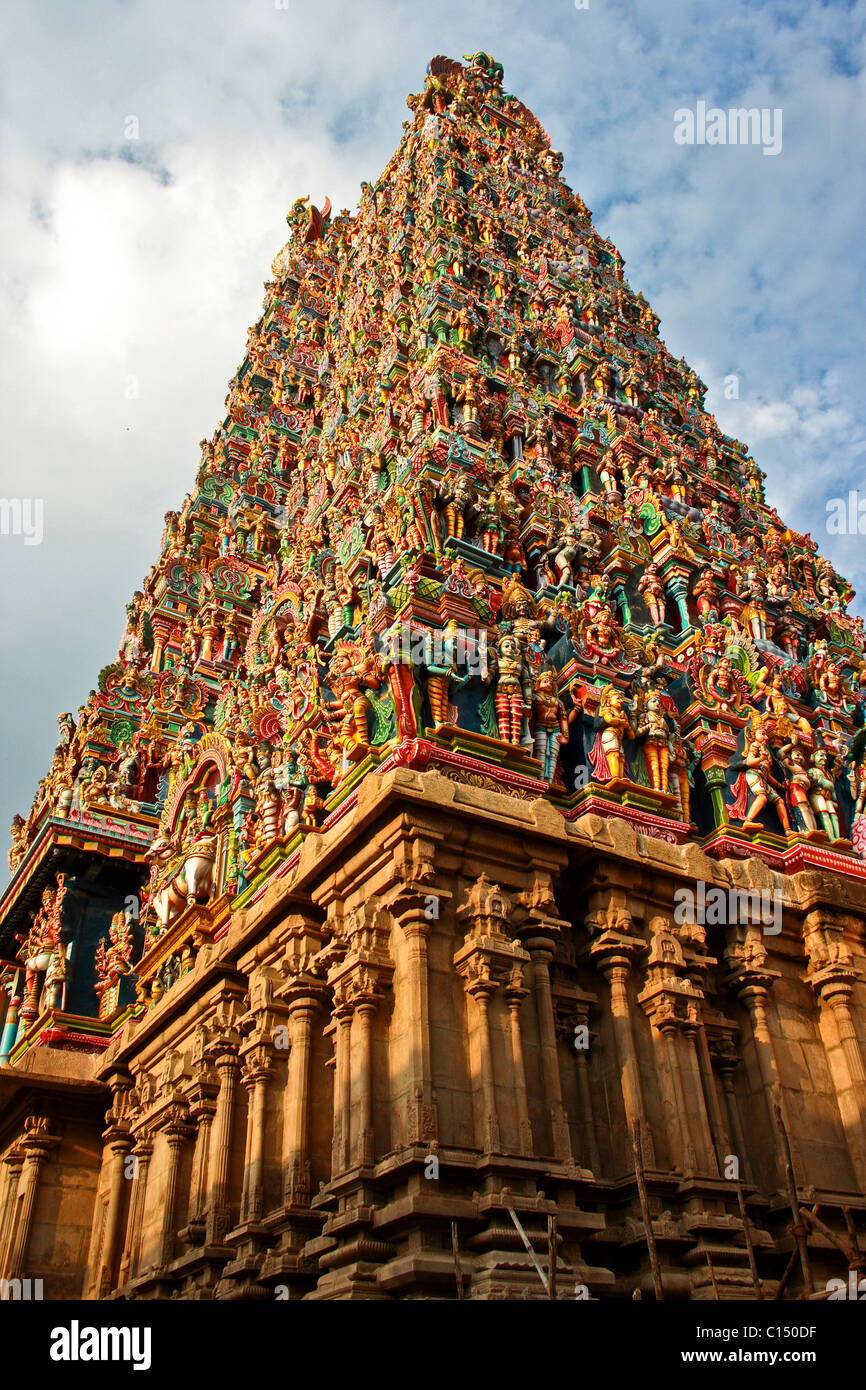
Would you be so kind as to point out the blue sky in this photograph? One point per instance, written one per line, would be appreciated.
(133, 267)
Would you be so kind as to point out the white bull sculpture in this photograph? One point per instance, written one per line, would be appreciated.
(182, 875)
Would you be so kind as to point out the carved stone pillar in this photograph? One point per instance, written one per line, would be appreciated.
(202, 1109)
(725, 1060)
(490, 958)
(258, 1025)
(614, 952)
(539, 932)
(833, 977)
(247, 1082)
(342, 1034)
(119, 1142)
(584, 1092)
(617, 970)
(299, 996)
(835, 994)
(219, 1159)
(672, 998)
(12, 1166)
(753, 987)
(423, 1121)
(718, 1128)
(752, 979)
(703, 1135)
(177, 1131)
(358, 981)
(664, 1035)
(37, 1144)
(303, 1008)
(480, 990)
(542, 951)
(515, 993)
(362, 1077)
(142, 1152)
(257, 1075)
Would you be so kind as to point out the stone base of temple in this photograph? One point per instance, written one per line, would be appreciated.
(457, 1005)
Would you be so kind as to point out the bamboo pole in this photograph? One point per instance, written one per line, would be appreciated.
(532, 1255)
(799, 1231)
(851, 1255)
(647, 1219)
(789, 1269)
(747, 1232)
(551, 1249)
(455, 1246)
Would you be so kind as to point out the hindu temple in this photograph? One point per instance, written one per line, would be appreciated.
(455, 888)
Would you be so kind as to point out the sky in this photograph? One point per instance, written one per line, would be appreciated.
(150, 149)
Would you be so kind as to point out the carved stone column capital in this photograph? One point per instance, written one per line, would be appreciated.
(258, 1065)
(487, 910)
(416, 914)
(615, 958)
(37, 1140)
(831, 971)
(306, 998)
(143, 1147)
(176, 1126)
(671, 998)
(358, 981)
(537, 917)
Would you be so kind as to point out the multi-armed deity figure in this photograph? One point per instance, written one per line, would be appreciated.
(351, 673)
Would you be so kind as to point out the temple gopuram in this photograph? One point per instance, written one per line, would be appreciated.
(455, 888)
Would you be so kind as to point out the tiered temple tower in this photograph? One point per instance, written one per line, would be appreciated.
(472, 821)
